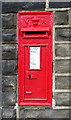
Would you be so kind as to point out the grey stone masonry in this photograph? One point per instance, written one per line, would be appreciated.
(63, 66)
(9, 52)
(9, 98)
(9, 21)
(62, 82)
(43, 113)
(9, 67)
(61, 17)
(9, 112)
(9, 83)
(62, 99)
(63, 34)
(9, 36)
(14, 7)
(61, 63)
(70, 17)
(62, 50)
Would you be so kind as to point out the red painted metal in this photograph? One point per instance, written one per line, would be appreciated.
(35, 32)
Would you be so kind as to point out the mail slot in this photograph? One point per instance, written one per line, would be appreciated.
(36, 33)
(35, 58)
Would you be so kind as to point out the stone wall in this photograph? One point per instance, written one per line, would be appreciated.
(61, 63)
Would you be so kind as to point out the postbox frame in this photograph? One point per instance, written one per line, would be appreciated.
(21, 100)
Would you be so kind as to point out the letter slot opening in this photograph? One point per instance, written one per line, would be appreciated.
(35, 32)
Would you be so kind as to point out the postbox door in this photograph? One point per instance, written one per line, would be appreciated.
(36, 72)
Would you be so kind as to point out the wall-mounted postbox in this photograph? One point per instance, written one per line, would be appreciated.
(35, 58)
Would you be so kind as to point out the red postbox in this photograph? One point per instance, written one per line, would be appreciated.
(35, 58)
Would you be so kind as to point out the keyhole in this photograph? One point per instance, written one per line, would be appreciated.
(29, 76)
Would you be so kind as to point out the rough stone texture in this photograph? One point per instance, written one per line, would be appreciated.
(61, 17)
(62, 82)
(43, 113)
(14, 7)
(9, 83)
(9, 36)
(63, 34)
(70, 17)
(0, 113)
(9, 98)
(9, 52)
(63, 66)
(9, 21)
(62, 99)
(59, 4)
(63, 50)
(9, 67)
(9, 112)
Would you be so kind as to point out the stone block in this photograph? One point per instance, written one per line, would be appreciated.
(63, 50)
(63, 34)
(9, 36)
(62, 82)
(70, 17)
(9, 112)
(9, 83)
(62, 99)
(63, 66)
(59, 4)
(9, 52)
(9, 21)
(14, 7)
(61, 17)
(43, 113)
(9, 67)
(0, 113)
(9, 98)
